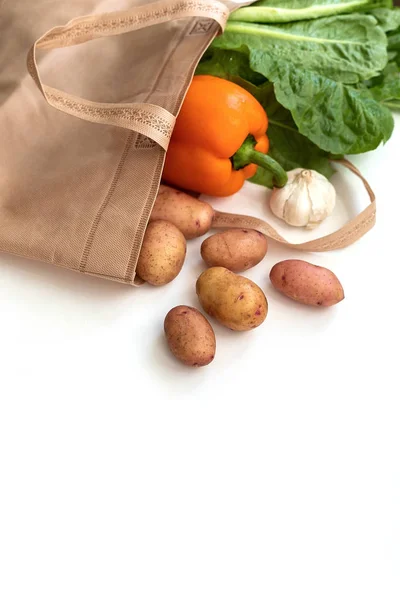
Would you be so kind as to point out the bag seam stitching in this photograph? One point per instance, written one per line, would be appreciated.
(95, 224)
(90, 238)
(130, 268)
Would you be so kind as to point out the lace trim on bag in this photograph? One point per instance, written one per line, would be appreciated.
(144, 115)
(111, 26)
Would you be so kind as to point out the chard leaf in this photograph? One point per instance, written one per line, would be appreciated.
(394, 46)
(230, 65)
(347, 48)
(336, 117)
(387, 19)
(386, 88)
(286, 11)
(311, 64)
(394, 41)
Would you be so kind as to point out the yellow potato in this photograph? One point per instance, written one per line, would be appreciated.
(191, 216)
(306, 283)
(162, 254)
(190, 336)
(234, 249)
(233, 300)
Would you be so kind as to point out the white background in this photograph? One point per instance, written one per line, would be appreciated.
(273, 473)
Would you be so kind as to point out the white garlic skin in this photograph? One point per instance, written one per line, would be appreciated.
(306, 200)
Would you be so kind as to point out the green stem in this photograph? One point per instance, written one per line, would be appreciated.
(275, 14)
(246, 155)
(393, 104)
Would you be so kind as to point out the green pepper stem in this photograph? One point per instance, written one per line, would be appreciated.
(246, 155)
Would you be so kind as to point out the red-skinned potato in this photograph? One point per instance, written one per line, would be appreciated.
(190, 336)
(191, 216)
(307, 283)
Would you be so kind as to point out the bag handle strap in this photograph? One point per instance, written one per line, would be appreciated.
(345, 236)
(153, 121)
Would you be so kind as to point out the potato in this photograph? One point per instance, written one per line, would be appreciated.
(163, 253)
(191, 216)
(306, 283)
(234, 249)
(190, 336)
(233, 300)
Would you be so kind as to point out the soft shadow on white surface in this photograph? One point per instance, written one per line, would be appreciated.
(51, 287)
(70, 282)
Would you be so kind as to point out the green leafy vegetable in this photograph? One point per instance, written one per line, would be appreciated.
(394, 41)
(386, 88)
(285, 11)
(338, 118)
(348, 48)
(387, 19)
(394, 46)
(230, 65)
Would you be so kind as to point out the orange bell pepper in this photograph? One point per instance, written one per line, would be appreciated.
(219, 139)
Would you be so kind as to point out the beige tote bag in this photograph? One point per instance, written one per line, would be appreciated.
(78, 184)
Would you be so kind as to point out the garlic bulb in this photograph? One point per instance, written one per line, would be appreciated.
(306, 200)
